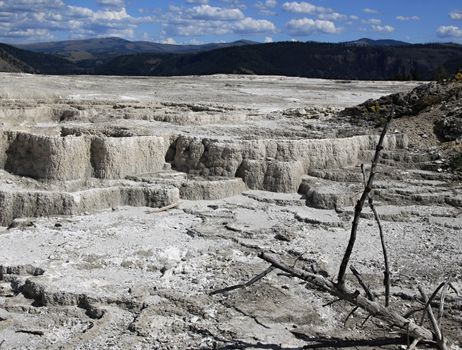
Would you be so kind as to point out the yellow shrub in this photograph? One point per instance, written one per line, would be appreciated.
(375, 108)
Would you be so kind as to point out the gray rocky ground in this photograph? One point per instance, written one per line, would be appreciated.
(125, 201)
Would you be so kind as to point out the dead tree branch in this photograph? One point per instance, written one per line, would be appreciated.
(362, 283)
(442, 300)
(386, 272)
(319, 282)
(30, 331)
(350, 314)
(431, 316)
(360, 204)
(244, 285)
(429, 301)
(413, 344)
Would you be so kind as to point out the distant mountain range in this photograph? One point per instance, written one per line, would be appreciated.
(106, 48)
(371, 42)
(361, 59)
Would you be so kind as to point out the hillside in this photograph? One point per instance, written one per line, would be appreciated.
(106, 48)
(313, 60)
(9, 63)
(363, 59)
(13, 59)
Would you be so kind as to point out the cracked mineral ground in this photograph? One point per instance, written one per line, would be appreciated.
(126, 201)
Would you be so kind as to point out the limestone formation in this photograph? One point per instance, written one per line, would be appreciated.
(125, 202)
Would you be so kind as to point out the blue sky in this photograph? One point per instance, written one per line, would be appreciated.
(202, 21)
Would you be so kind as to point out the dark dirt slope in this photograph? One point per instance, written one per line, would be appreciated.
(9, 63)
(430, 114)
(17, 60)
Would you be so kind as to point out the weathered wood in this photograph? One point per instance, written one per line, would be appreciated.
(386, 272)
(431, 316)
(318, 282)
(360, 204)
(362, 283)
(244, 285)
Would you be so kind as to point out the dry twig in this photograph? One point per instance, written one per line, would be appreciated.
(362, 283)
(243, 285)
(386, 272)
(31, 331)
(436, 329)
(441, 307)
(428, 301)
(360, 204)
(414, 344)
(167, 207)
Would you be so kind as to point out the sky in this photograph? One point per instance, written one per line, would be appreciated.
(205, 21)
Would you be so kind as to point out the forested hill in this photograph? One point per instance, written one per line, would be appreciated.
(313, 60)
(362, 59)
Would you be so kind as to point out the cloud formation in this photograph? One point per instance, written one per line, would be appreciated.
(216, 13)
(382, 29)
(369, 10)
(208, 20)
(304, 7)
(456, 14)
(204, 20)
(449, 32)
(39, 20)
(407, 18)
(307, 26)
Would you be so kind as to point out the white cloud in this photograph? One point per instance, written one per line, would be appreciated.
(77, 11)
(307, 26)
(265, 7)
(372, 21)
(216, 13)
(407, 18)
(456, 14)
(382, 29)
(30, 33)
(169, 41)
(208, 20)
(28, 20)
(369, 10)
(250, 25)
(111, 3)
(304, 7)
(235, 3)
(268, 39)
(200, 2)
(109, 15)
(449, 32)
(334, 16)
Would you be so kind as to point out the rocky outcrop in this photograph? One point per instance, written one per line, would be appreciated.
(407, 104)
(325, 194)
(115, 158)
(274, 165)
(196, 187)
(44, 157)
(18, 204)
(450, 127)
(80, 157)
